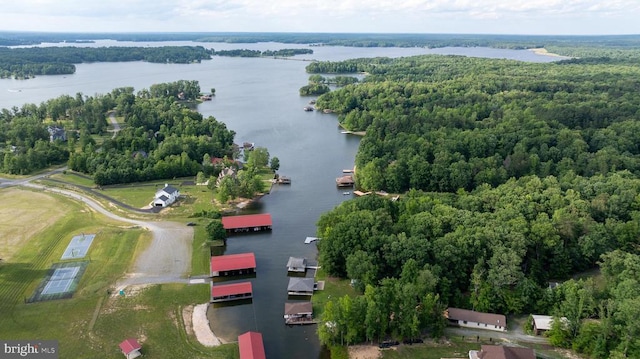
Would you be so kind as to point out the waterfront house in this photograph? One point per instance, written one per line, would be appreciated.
(247, 223)
(477, 320)
(233, 291)
(298, 313)
(502, 352)
(130, 348)
(297, 264)
(233, 264)
(300, 286)
(251, 346)
(165, 196)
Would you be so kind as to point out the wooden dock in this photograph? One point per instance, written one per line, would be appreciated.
(311, 239)
(300, 321)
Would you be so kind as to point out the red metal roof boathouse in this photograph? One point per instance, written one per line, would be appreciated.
(247, 223)
(251, 346)
(233, 291)
(233, 264)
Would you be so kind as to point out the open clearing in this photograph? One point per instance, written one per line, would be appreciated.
(23, 214)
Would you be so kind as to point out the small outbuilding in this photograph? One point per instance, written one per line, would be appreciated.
(130, 348)
(542, 323)
(247, 223)
(233, 291)
(233, 264)
(297, 265)
(251, 346)
(300, 286)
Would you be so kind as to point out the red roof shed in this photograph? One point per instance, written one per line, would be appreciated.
(251, 346)
(231, 289)
(130, 348)
(247, 221)
(233, 262)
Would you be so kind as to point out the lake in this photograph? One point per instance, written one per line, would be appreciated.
(258, 99)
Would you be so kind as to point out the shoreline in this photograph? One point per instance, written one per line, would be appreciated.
(542, 51)
(202, 329)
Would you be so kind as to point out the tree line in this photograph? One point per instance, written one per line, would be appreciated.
(265, 53)
(33, 61)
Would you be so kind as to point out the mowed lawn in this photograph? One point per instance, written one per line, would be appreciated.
(93, 322)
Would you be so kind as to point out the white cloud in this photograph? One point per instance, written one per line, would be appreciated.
(319, 15)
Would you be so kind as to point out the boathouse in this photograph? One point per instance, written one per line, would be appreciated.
(298, 313)
(233, 291)
(130, 348)
(251, 346)
(233, 264)
(478, 320)
(345, 181)
(247, 223)
(297, 264)
(300, 286)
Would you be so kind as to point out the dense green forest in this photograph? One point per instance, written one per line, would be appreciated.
(512, 175)
(32, 61)
(163, 138)
(474, 121)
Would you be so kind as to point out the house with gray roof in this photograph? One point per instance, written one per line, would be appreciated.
(165, 196)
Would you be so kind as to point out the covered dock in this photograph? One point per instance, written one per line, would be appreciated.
(251, 346)
(298, 313)
(297, 265)
(247, 223)
(345, 181)
(233, 264)
(301, 286)
(234, 291)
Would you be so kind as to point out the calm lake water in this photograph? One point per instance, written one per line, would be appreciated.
(257, 98)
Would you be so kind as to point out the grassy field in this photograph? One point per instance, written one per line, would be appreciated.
(92, 323)
(431, 350)
(334, 288)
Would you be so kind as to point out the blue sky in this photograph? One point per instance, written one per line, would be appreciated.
(545, 17)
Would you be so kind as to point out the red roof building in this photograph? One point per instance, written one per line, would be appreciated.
(247, 223)
(251, 346)
(232, 264)
(234, 291)
(131, 348)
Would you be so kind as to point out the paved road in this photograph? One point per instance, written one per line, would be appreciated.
(516, 335)
(6, 182)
